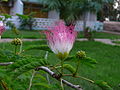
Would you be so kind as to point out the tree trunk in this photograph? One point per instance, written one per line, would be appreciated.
(84, 24)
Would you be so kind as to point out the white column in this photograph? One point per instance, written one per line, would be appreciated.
(91, 16)
(53, 14)
(17, 8)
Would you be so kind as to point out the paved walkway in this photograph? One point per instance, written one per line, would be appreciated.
(9, 40)
(106, 41)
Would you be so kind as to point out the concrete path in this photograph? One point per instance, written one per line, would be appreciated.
(106, 41)
(9, 40)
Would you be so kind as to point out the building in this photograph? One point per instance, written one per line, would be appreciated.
(25, 7)
(13, 7)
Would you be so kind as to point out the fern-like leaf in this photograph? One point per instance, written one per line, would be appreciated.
(22, 62)
(103, 85)
(86, 61)
(89, 62)
(28, 67)
(69, 68)
(43, 84)
(70, 58)
(8, 56)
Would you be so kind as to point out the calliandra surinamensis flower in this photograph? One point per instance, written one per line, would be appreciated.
(2, 28)
(61, 38)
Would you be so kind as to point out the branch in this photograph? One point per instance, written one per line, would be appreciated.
(5, 64)
(51, 73)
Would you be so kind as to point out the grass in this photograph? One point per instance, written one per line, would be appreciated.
(102, 35)
(23, 34)
(107, 56)
(36, 35)
(116, 42)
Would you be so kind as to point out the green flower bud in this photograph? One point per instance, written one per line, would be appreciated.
(81, 54)
(62, 56)
(16, 41)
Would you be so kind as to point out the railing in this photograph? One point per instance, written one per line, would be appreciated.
(42, 23)
(94, 25)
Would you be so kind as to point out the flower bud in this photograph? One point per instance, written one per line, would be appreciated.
(81, 54)
(62, 56)
(16, 42)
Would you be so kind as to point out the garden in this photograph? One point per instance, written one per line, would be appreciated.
(58, 57)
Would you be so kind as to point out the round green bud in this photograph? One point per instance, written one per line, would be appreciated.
(16, 41)
(81, 54)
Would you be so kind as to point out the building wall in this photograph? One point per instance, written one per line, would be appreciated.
(4, 8)
(29, 7)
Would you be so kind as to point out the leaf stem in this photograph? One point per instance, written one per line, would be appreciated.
(30, 85)
(77, 68)
(79, 77)
(62, 84)
(20, 49)
(62, 62)
(15, 49)
(46, 57)
(85, 79)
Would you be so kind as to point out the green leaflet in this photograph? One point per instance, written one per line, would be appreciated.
(69, 68)
(8, 56)
(26, 64)
(39, 47)
(89, 62)
(70, 58)
(103, 85)
(41, 77)
(28, 67)
(19, 63)
(43, 84)
(26, 60)
(86, 61)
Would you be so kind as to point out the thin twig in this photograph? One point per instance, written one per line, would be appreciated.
(20, 49)
(5, 64)
(30, 85)
(3, 84)
(85, 79)
(46, 56)
(79, 77)
(62, 84)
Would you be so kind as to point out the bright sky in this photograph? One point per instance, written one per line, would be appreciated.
(116, 5)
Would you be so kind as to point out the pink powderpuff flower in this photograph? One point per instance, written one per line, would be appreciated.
(61, 38)
(2, 28)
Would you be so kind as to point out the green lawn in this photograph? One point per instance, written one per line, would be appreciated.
(117, 42)
(107, 69)
(23, 34)
(102, 35)
(37, 35)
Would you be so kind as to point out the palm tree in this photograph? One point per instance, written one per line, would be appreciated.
(71, 10)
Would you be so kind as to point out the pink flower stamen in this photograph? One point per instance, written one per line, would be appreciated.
(2, 28)
(61, 37)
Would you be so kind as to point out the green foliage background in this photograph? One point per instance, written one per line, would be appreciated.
(107, 68)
